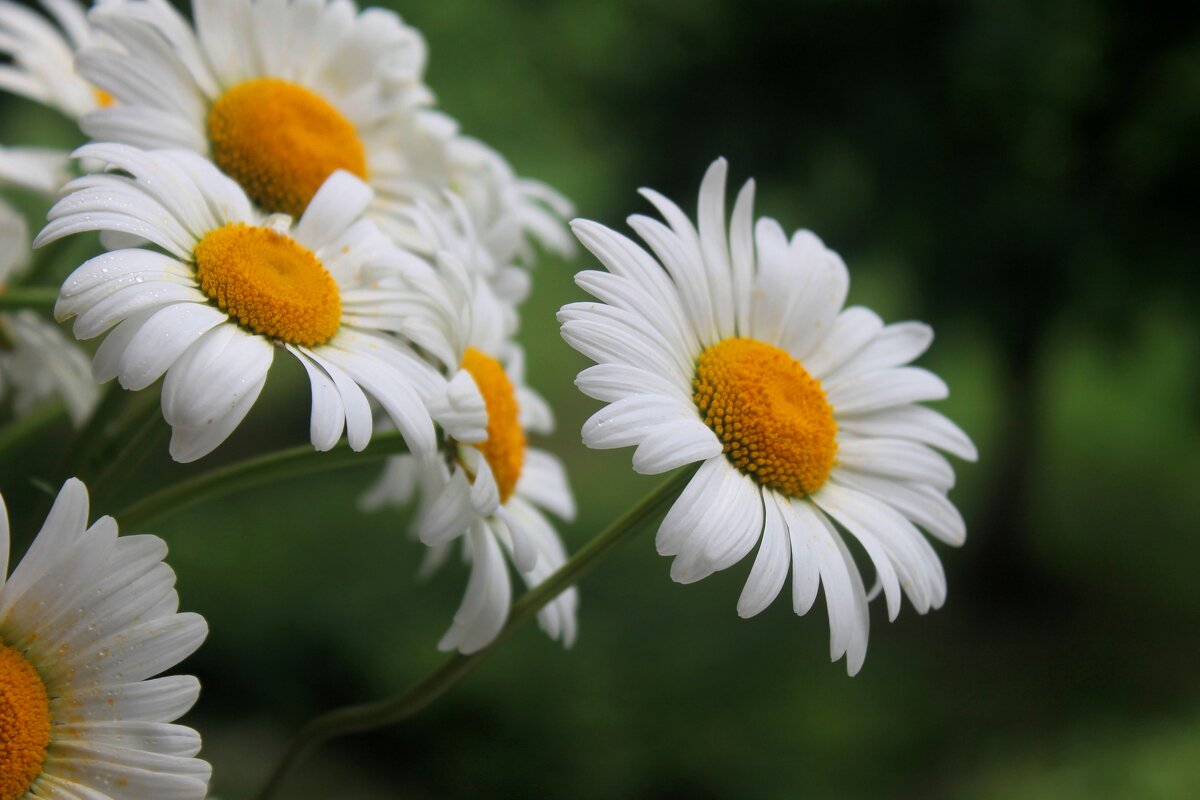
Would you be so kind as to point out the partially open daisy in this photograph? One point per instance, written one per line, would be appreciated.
(86, 620)
(42, 56)
(491, 487)
(731, 348)
(231, 288)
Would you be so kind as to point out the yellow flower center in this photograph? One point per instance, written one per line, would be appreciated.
(771, 415)
(103, 98)
(269, 284)
(24, 723)
(281, 141)
(504, 447)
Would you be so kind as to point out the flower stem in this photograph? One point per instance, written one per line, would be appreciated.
(369, 716)
(37, 297)
(281, 465)
(148, 432)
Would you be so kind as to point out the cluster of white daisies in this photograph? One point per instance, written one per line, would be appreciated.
(273, 175)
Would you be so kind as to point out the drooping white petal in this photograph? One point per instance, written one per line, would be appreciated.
(770, 568)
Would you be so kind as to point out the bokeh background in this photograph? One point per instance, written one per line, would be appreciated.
(1023, 175)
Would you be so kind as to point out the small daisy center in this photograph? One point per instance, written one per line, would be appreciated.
(771, 415)
(504, 447)
(24, 723)
(103, 98)
(281, 141)
(269, 284)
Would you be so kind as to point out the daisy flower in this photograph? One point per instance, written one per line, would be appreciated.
(491, 487)
(42, 56)
(231, 288)
(731, 348)
(86, 620)
(280, 94)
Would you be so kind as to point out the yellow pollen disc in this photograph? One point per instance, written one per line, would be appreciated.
(103, 98)
(281, 141)
(770, 414)
(269, 284)
(24, 723)
(504, 447)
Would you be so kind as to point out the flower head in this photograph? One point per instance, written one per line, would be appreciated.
(86, 620)
(490, 487)
(730, 346)
(233, 287)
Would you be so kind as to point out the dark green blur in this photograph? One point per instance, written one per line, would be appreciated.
(1022, 175)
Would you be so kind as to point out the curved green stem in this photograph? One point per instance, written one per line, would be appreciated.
(369, 716)
(145, 431)
(280, 465)
(41, 298)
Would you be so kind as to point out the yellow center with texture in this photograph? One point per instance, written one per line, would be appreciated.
(281, 141)
(504, 447)
(24, 723)
(269, 284)
(771, 415)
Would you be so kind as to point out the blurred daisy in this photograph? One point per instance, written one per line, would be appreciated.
(86, 620)
(731, 348)
(42, 56)
(234, 286)
(37, 362)
(455, 173)
(491, 487)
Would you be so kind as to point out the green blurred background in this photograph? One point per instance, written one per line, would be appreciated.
(1022, 175)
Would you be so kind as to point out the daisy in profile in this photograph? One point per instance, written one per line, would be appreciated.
(37, 362)
(490, 489)
(233, 287)
(730, 347)
(41, 56)
(86, 620)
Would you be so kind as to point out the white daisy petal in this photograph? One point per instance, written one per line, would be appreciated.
(632, 419)
(916, 423)
(923, 505)
(893, 346)
(155, 700)
(340, 201)
(544, 482)
(447, 514)
(612, 382)
(674, 444)
(161, 339)
(896, 458)
(850, 332)
(771, 565)
(328, 415)
(357, 408)
(485, 604)
(873, 391)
